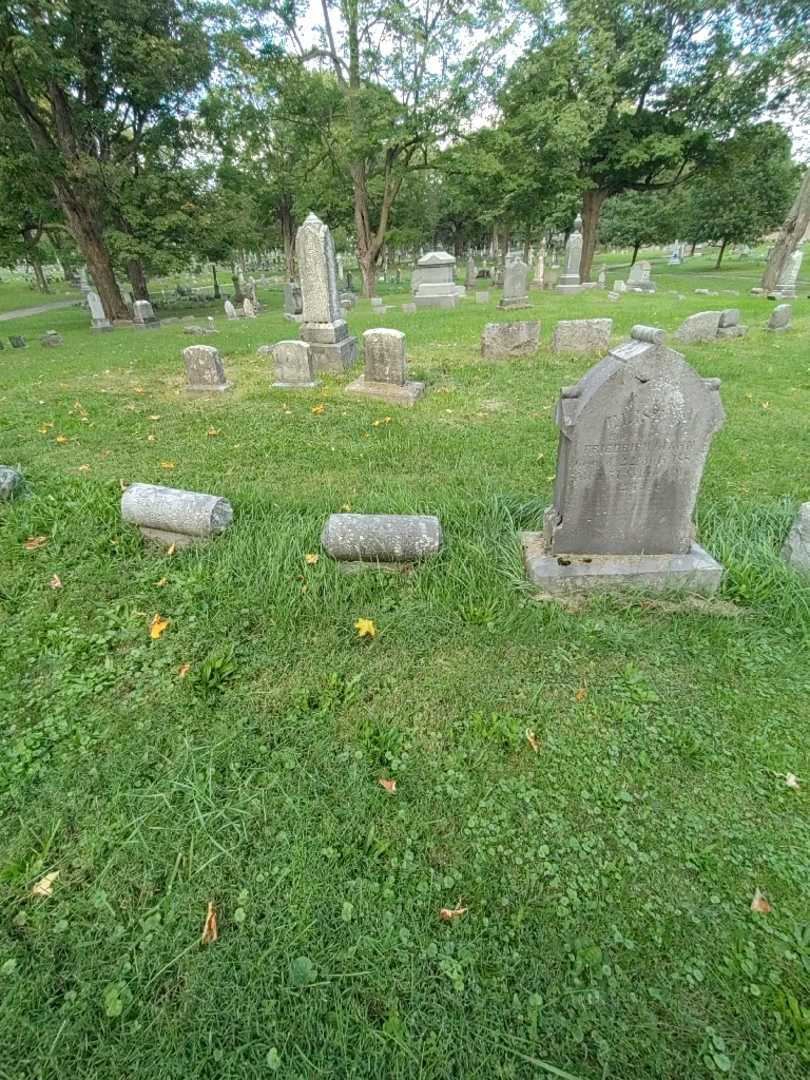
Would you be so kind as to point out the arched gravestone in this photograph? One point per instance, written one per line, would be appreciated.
(634, 435)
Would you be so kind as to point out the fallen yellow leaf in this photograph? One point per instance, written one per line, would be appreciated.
(44, 887)
(531, 739)
(55, 582)
(62, 439)
(212, 431)
(346, 508)
(792, 781)
(153, 418)
(311, 559)
(365, 628)
(163, 581)
(167, 465)
(157, 626)
(209, 931)
(760, 904)
(581, 694)
(170, 550)
(184, 670)
(151, 438)
(448, 914)
(389, 785)
(34, 542)
(319, 410)
(84, 468)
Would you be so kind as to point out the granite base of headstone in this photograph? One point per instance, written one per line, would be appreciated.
(796, 548)
(385, 372)
(11, 483)
(504, 341)
(439, 295)
(292, 365)
(582, 335)
(204, 370)
(634, 435)
(780, 318)
(172, 516)
(393, 542)
(702, 326)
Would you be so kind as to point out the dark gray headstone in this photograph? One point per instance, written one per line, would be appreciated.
(17, 342)
(634, 435)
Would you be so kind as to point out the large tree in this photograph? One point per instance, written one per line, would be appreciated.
(639, 94)
(88, 80)
(404, 76)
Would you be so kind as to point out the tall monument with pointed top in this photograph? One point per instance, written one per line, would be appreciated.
(569, 279)
(322, 325)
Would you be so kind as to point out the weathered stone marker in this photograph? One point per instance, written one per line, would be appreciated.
(51, 340)
(99, 319)
(569, 279)
(143, 317)
(409, 309)
(638, 280)
(17, 341)
(172, 516)
(482, 296)
(248, 308)
(582, 335)
(786, 286)
(515, 285)
(204, 369)
(323, 325)
(501, 341)
(386, 541)
(796, 549)
(293, 300)
(385, 374)
(634, 435)
(10, 482)
(730, 325)
(780, 318)
(230, 310)
(292, 364)
(702, 326)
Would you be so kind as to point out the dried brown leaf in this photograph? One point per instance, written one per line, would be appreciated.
(209, 931)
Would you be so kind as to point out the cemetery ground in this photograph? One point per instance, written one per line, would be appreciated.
(594, 791)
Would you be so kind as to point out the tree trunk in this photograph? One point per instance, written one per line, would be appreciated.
(31, 238)
(720, 255)
(287, 235)
(694, 245)
(85, 229)
(636, 247)
(790, 236)
(137, 278)
(217, 294)
(592, 202)
(368, 245)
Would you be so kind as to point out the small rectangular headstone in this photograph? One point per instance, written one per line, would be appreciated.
(780, 318)
(582, 335)
(17, 341)
(501, 341)
(143, 316)
(482, 296)
(204, 369)
(702, 326)
(385, 371)
(292, 364)
(230, 310)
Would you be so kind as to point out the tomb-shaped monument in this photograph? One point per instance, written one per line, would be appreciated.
(634, 435)
(323, 325)
(569, 279)
(433, 281)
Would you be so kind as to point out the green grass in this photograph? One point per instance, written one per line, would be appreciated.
(608, 877)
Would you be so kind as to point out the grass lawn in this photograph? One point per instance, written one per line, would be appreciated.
(607, 877)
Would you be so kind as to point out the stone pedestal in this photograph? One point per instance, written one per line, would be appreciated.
(331, 348)
(696, 571)
(323, 327)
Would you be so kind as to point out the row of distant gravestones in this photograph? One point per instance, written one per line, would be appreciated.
(634, 435)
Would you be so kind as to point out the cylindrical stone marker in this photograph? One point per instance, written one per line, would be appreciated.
(396, 538)
(651, 334)
(172, 510)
